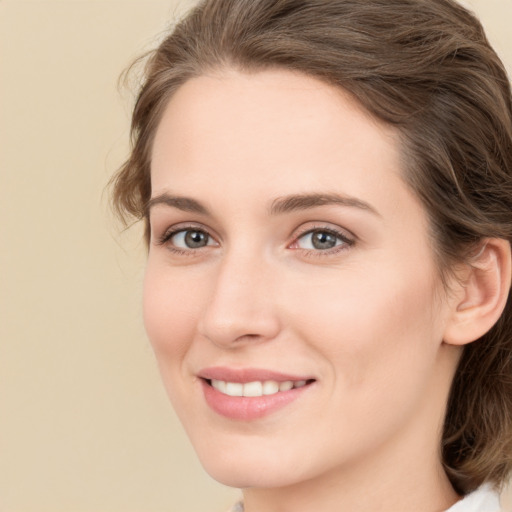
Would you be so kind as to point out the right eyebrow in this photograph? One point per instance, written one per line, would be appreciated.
(185, 204)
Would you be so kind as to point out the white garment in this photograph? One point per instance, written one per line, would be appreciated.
(484, 499)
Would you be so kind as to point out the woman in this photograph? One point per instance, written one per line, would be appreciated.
(327, 193)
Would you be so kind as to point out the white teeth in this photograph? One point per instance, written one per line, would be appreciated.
(286, 385)
(256, 388)
(253, 389)
(220, 385)
(270, 387)
(234, 389)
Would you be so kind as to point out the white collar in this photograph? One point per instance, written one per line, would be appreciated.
(484, 499)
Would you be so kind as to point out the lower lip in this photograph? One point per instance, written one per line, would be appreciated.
(249, 408)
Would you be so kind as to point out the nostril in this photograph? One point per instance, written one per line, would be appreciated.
(248, 337)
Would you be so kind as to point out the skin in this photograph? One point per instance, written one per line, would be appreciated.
(366, 319)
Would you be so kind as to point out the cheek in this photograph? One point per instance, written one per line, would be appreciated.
(377, 340)
(168, 311)
(371, 326)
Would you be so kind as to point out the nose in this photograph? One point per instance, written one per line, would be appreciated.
(241, 307)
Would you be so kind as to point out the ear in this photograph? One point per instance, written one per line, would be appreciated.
(481, 293)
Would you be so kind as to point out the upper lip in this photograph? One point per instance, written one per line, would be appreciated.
(244, 375)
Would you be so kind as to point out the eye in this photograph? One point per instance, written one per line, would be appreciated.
(321, 240)
(189, 239)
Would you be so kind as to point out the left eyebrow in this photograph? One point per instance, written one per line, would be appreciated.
(306, 201)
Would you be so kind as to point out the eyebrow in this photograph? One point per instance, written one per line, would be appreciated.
(279, 206)
(185, 204)
(306, 201)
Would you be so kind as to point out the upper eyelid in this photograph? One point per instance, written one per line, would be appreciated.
(345, 240)
(339, 231)
(178, 228)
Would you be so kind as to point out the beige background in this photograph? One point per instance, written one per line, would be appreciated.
(84, 422)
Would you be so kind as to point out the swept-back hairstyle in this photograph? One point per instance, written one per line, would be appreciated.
(422, 66)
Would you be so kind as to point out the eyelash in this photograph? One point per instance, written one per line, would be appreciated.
(166, 237)
(347, 242)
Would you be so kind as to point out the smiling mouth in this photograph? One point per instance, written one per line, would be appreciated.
(247, 394)
(256, 388)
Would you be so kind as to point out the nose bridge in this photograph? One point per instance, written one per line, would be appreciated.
(241, 305)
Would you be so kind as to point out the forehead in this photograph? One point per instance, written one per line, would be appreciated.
(275, 129)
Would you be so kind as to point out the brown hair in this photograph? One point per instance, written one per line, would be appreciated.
(423, 66)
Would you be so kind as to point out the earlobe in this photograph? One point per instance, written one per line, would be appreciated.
(481, 293)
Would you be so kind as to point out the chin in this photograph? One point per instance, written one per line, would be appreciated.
(245, 476)
(242, 470)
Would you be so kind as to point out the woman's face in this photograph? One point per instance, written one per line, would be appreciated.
(287, 252)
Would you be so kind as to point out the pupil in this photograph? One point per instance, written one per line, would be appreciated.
(194, 239)
(323, 240)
